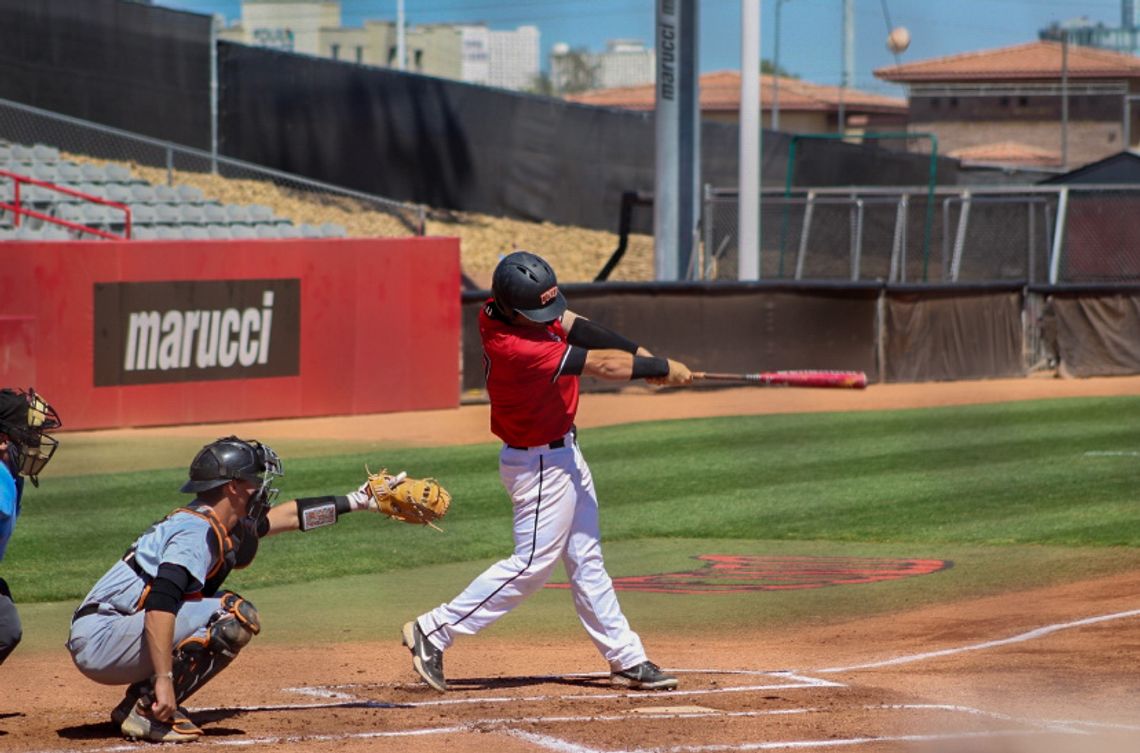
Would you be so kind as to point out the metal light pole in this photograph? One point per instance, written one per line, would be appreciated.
(776, 71)
(848, 60)
(1065, 101)
(748, 227)
(401, 37)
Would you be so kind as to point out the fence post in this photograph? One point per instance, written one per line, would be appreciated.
(1059, 236)
(857, 250)
(707, 230)
(808, 209)
(169, 166)
(899, 240)
(1031, 241)
(960, 237)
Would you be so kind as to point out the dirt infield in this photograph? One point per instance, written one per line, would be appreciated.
(1053, 670)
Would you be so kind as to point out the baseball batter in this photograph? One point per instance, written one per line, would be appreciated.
(158, 620)
(25, 448)
(534, 352)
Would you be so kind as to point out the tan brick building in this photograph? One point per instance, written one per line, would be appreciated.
(1005, 106)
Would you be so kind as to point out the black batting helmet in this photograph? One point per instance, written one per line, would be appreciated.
(524, 283)
(25, 418)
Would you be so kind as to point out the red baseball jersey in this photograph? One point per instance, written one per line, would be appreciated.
(532, 401)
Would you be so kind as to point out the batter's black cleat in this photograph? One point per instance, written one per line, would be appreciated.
(426, 658)
(644, 676)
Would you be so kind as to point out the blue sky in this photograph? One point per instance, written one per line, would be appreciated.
(810, 30)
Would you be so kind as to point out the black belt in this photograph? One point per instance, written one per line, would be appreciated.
(557, 444)
(83, 611)
(93, 606)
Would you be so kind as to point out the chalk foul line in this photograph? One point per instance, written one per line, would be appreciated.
(1020, 638)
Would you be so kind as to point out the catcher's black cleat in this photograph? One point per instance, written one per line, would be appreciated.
(644, 676)
(140, 725)
(426, 658)
(120, 713)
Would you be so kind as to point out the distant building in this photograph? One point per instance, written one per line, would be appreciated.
(804, 107)
(515, 58)
(1006, 106)
(1124, 38)
(626, 62)
(471, 53)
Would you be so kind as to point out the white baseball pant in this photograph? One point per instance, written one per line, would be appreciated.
(555, 516)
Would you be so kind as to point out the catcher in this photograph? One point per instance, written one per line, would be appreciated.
(159, 621)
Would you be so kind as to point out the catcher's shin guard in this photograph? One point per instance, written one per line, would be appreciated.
(198, 659)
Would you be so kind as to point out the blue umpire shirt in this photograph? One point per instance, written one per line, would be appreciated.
(11, 489)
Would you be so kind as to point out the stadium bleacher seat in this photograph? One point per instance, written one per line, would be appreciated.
(142, 193)
(165, 195)
(311, 231)
(21, 153)
(189, 194)
(219, 232)
(215, 214)
(143, 233)
(44, 172)
(237, 214)
(288, 231)
(192, 214)
(333, 230)
(167, 214)
(69, 173)
(242, 232)
(260, 213)
(45, 154)
(93, 173)
(195, 233)
(143, 215)
(118, 174)
(116, 192)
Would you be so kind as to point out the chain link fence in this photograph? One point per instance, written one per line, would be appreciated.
(1037, 234)
(220, 180)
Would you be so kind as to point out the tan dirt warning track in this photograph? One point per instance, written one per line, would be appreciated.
(469, 423)
(1009, 674)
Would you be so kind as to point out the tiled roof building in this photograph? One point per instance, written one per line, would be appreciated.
(804, 107)
(1010, 104)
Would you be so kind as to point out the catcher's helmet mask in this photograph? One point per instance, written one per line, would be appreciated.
(25, 418)
(230, 458)
(525, 284)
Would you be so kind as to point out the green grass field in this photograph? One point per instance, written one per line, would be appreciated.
(1007, 491)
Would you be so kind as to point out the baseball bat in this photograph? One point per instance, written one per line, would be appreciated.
(851, 380)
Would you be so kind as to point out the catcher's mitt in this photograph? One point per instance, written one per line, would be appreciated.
(411, 500)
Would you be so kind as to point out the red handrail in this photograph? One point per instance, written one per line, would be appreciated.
(17, 179)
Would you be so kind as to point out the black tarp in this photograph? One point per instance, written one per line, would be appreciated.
(1098, 333)
(429, 140)
(720, 327)
(136, 67)
(460, 146)
(948, 334)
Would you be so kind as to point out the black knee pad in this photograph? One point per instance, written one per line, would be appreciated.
(197, 660)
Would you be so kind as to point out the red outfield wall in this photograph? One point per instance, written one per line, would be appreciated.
(170, 332)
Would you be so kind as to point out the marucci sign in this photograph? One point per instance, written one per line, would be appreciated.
(181, 331)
